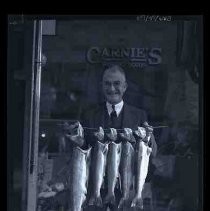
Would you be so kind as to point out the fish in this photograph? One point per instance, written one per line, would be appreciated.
(79, 172)
(142, 160)
(79, 178)
(113, 161)
(98, 171)
(126, 166)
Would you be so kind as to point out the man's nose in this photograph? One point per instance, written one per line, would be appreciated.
(112, 87)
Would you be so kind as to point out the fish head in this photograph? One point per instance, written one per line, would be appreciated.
(127, 135)
(149, 131)
(99, 134)
(77, 138)
(70, 128)
(112, 135)
(140, 133)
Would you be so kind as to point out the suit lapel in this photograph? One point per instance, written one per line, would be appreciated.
(127, 118)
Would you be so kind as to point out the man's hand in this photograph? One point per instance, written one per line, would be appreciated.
(78, 138)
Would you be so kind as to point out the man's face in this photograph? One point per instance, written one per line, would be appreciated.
(114, 86)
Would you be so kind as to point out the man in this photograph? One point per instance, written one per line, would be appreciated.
(115, 113)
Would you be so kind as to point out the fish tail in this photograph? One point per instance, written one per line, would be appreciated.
(137, 202)
(110, 199)
(123, 202)
(96, 201)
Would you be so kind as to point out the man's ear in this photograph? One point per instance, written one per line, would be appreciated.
(126, 85)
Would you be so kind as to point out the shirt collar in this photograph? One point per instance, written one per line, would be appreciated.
(118, 107)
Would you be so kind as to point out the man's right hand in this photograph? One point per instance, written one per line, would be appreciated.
(76, 134)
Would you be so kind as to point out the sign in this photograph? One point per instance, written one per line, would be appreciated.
(136, 57)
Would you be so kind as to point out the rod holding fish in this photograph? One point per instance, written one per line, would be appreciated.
(65, 125)
(69, 130)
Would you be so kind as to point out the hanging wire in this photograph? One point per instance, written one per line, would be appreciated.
(105, 129)
(156, 127)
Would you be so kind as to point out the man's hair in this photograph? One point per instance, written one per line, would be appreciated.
(114, 68)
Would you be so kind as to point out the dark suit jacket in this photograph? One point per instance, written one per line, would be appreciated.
(132, 117)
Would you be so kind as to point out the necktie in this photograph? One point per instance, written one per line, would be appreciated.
(113, 113)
